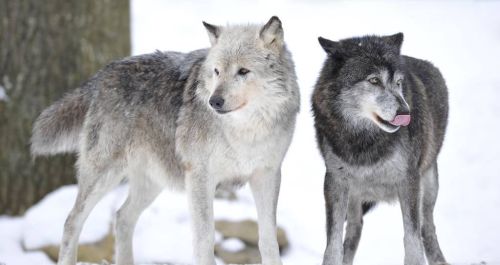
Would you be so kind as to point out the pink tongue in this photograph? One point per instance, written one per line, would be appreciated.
(401, 120)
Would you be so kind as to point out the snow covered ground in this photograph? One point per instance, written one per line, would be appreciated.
(461, 38)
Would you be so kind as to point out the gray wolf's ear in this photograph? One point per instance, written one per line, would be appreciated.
(330, 47)
(395, 40)
(213, 32)
(272, 33)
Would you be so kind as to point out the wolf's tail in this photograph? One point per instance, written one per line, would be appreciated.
(57, 129)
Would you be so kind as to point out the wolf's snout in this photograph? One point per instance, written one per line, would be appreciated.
(216, 102)
(403, 109)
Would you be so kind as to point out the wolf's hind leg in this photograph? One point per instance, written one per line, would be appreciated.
(430, 188)
(353, 230)
(142, 192)
(265, 189)
(91, 188)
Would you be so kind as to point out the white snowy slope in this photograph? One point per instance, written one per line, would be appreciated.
(461, 38)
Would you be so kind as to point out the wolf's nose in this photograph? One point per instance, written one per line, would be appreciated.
(216, 102)
(403, 111)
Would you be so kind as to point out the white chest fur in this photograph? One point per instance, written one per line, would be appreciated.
(236, 157)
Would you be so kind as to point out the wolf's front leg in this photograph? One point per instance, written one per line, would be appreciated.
(409, 198)
(265, 188)
(353, 229)
(336, 198)
(200, 189)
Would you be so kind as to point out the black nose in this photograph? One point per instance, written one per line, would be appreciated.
(403, 110)
(403, 106)
(216, 102)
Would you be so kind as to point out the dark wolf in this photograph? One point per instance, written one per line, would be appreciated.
(215, 117)
(380, 119)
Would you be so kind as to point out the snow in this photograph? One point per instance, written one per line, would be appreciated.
(233, 245)
(58, 204)
(166, 219)
(11, 251)
(461, 38)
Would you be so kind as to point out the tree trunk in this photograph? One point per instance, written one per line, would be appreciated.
(46, 49)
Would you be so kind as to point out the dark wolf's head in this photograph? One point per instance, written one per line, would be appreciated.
(248, 69)
(362, 81)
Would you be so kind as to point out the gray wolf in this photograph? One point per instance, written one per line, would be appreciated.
(380, 120)
(210, 118)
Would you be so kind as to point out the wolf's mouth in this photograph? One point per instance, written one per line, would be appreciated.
(222, 111)
(386, 125)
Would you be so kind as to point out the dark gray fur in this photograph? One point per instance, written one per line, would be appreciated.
(366, 164)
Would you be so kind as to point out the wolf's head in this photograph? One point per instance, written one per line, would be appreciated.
(363, 81)
(247, 69)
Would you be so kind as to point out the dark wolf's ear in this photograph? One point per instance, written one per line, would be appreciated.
(213, 32)
(395, 40)
(272, 34)
(330, 47)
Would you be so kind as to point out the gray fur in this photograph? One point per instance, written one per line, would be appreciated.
(58, 127)
(148, 119)
(367, 159)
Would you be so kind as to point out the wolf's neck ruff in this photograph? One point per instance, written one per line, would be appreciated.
(360, 146)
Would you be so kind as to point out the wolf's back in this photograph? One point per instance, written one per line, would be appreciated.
(57, 129)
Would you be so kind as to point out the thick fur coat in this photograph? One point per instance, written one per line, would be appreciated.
(195, 121)
(363, 100)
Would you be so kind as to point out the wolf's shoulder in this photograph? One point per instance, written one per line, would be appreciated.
(417, 65)
(426, 72)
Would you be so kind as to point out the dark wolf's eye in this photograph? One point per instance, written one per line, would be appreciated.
(243, 71)
(374, 81)
(216, 71)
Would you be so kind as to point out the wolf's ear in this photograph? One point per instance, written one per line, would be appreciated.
(272, 33)
(213, 32)
(395, 40)
(330, 47)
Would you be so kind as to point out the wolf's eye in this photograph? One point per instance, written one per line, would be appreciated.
(399, 82)
(374, 80)
(243, 71)
(216, 71)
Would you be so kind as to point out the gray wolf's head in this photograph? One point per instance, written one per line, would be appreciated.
(363, 81)
(245, 69)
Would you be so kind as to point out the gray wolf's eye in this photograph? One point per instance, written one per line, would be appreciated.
(216, 71)
(400, 82)
(374, 81)
(243, 71)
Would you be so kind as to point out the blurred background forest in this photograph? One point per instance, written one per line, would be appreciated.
(48, 48)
